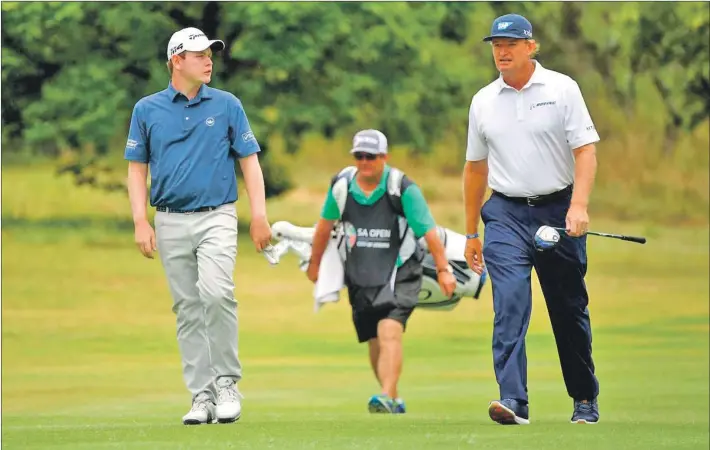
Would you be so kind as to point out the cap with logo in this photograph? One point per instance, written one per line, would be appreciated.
(191, 40)
(370, 141)
(510, 26)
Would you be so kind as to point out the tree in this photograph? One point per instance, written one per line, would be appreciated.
(298, 68)
(410, 69)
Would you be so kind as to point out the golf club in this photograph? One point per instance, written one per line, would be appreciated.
(637, 239)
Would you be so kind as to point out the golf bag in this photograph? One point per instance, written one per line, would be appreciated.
(298, 240)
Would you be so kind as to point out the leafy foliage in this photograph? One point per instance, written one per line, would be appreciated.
(73, 71)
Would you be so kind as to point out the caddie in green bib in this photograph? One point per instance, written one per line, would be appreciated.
(383, 215)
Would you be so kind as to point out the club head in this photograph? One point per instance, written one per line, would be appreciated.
(546, 238)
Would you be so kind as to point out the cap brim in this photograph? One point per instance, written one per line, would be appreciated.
(503, 35)
(217, 45)
(367, 150)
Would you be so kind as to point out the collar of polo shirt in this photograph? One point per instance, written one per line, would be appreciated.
(203, 94)
(539, 76)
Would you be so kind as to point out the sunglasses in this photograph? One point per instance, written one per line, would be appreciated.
(364, 155)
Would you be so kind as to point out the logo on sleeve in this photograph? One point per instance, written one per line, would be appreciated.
(131, 144)
(248, 136)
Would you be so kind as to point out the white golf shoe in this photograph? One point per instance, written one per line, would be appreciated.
(229, 406)
(202, 411)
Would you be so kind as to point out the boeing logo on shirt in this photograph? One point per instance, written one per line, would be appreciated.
(538, 105)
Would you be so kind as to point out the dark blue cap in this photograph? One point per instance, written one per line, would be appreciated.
(510, 26)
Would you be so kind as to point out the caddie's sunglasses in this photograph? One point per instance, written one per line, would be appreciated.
(364, 155)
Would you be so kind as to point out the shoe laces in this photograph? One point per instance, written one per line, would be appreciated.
(200, 404)
(229, 393)
(585, 407)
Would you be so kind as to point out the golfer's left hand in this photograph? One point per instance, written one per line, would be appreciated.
(577, 221)
(260, 232)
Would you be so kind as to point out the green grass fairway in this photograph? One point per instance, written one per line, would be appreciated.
(89, 358)
(90, 361)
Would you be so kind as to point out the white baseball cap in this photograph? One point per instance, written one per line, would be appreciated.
(370, 141)
(191, 40)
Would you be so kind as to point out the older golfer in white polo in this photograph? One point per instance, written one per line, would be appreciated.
(531, 139)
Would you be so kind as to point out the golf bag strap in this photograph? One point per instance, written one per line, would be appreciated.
(340, 186)
(397, 183)
(395, 187)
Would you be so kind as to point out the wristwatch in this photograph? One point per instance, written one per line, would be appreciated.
(447, 269)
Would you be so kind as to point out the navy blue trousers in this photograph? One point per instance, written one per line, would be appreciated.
(509, 254)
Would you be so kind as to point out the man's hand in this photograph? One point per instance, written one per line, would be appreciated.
(474, 255)
(577, 220)
(475, 178)
(260, 232)
(145, 238)
(447, 282)
(138, 196)
(312, 271)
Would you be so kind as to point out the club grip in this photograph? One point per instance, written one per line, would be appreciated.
(637, 239)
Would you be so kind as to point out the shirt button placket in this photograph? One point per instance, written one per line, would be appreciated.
(186, 122)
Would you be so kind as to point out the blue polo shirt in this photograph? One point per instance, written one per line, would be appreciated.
(191, 146)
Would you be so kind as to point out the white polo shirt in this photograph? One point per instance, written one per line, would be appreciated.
(528, 136)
